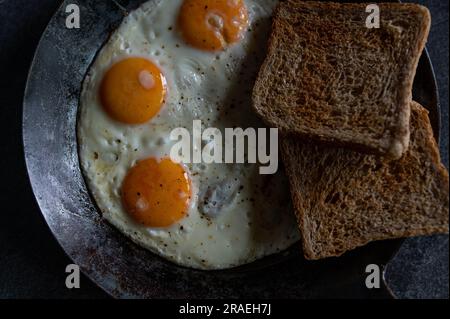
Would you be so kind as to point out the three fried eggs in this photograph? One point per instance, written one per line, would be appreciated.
(168, 64)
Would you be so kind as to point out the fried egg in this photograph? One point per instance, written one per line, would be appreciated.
(168, 64)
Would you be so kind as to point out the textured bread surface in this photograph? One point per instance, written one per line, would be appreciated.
(328, 77)
(344, 199)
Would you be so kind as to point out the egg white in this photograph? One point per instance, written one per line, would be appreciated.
(212, 87)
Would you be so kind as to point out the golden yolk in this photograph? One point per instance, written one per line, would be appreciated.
(133, 91)
(212, 25)
(156, 193)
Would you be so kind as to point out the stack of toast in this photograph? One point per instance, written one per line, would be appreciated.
(360, 154)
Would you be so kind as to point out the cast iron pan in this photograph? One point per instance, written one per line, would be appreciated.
(120, 267)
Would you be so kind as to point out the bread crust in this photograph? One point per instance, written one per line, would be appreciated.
(344, 199)
(298, 107)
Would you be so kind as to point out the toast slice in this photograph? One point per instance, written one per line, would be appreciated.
(328, 77)
(344, 199)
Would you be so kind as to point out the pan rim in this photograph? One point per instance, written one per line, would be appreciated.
(29, 157)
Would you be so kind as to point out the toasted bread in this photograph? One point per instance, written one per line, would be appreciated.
(330, 78)
(344, 199)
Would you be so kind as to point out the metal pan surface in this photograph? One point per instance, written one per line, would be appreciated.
(120, 267)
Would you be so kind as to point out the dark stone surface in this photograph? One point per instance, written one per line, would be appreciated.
(31, 262)
(32, 265)
(420, 270)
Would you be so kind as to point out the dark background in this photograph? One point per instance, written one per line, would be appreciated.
(32, 265)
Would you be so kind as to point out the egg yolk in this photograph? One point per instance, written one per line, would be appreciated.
(156, 193)
(133, 90)
(212, 25)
